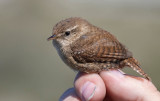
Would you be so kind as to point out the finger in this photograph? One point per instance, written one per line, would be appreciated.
(122, 87)
(90, 87)
(69, 95)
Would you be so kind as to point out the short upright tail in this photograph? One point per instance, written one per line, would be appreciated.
(134, 64)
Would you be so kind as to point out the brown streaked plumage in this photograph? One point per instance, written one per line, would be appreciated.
(87, 48)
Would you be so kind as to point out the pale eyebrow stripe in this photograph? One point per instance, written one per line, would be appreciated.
(69, 29)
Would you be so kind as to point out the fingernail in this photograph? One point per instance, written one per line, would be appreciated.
(116, 73)
(121, 72)
(88, 90)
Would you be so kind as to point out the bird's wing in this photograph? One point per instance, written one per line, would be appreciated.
(102, 47)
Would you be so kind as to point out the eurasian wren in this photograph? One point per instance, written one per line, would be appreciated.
(87, 48)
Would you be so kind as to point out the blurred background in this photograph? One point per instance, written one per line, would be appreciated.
(30, 68)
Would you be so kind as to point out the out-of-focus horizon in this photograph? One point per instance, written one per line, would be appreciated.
(30, 68)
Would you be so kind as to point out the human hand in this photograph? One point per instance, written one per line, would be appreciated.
(111, 85)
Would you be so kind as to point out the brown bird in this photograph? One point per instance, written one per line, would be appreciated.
(87, 48)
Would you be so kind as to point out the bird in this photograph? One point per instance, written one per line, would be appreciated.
(90, 49)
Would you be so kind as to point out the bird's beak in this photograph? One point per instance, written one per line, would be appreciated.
(52, 37)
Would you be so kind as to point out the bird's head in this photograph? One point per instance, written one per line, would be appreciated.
(68, 30)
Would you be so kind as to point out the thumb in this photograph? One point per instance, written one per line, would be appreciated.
(120, 87)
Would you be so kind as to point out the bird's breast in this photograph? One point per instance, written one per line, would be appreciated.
(63, 52)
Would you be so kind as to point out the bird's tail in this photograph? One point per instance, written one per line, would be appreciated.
(134, 64)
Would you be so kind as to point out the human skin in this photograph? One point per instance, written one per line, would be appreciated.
(111, 85)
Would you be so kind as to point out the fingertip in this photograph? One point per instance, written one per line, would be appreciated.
(123, 87)
(69, 95)
(90, 87)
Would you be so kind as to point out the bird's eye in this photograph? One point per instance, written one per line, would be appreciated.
(67, 33)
